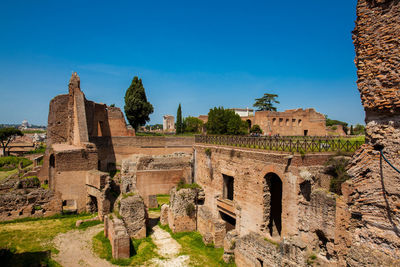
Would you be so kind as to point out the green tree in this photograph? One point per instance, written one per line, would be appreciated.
(192, 124)
(256, 129)
(330, 122)
(225, 121)
(266, 102)
(179, 124)
(359, 129)
(6, 136)
(137, 108)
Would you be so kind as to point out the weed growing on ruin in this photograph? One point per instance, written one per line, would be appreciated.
(208, 152)
(336, 166)
(276, 244)
(311, 259)
(144, 250)
(183, 185)
(125, 195)
(45, 186)
(193, 245)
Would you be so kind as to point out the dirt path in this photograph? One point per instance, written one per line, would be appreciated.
(167, 248)
(76, 248)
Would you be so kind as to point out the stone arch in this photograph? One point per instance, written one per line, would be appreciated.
(272, 195)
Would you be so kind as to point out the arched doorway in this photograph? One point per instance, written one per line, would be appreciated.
(273, 204)
(249, 124)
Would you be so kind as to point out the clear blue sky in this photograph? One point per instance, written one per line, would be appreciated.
(198, 53)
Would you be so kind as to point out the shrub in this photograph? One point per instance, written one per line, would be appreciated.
(256, 129)
(336, 166)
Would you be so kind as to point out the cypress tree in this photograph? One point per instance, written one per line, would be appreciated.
(137, 108)
(179, 128)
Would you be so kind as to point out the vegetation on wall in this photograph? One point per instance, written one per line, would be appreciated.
(137, 108)
(336, 166)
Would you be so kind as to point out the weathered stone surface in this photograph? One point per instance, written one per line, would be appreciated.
(164, 214)
(21, 203)
(153, 202)
(116, 232)
(369, 233)
(153, 175)
(133, 212)
(182, 210)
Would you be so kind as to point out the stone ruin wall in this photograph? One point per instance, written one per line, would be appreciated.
(25, 198)
(152, 175)
(308, 208)
(371, 234)
(291, 122)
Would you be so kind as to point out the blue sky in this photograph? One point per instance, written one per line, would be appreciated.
(198, 53)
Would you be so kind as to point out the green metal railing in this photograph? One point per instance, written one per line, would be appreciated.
(282, 143)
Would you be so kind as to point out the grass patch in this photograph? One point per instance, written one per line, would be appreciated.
(125, 195)
(5, 174)
(41, 149)
(11, 162)
(200, 254)
(162, 199)
(36, 234)
(144, 250)
(88, 224)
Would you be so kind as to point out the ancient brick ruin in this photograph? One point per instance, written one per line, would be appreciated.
(297, 122)
(372, 221)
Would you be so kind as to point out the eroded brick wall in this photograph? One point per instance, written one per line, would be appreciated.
(371, 234)
(308, 214)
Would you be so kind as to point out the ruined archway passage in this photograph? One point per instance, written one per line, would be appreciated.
(273, 203)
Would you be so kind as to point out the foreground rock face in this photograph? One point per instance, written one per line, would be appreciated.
(369, 214)
(182, 210)
(133, 213)
(24, 198)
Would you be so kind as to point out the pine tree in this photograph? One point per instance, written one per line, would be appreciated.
(179, 128)
(137, 108)
(266, 102)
